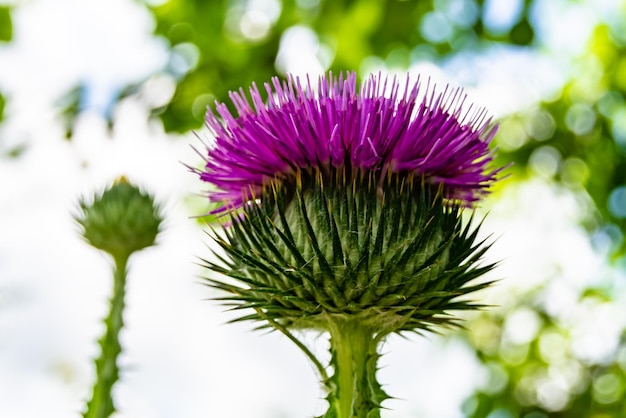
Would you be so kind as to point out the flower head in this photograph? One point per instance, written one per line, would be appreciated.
(384, 126)
(345, 215)
(347, 201)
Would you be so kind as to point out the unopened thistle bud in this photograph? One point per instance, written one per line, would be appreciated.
(120, 220)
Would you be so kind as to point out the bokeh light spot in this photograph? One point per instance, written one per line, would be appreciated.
(544, 161)
(436, 28)
(574, 172)
(552, 394)
(308, 4)
(158, 90)
(607, 388)
(200, 103)
(525, 391)
(618, 128)
(181, 32)
(580, 119)
(617, 202)
(398, 58)
(497, 378)
(610, 102)
(514, 354)
(540, 125)
(501, 413)
(607, 238)
(621, 358)
(499, 16)
(184, 58)
(254, 25)
(299, 52)
(462, 12)
(521, 326)
(552, 346)
(485, 335)
(535, 414)
(511, 135)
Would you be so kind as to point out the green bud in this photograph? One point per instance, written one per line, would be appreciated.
(121, 220)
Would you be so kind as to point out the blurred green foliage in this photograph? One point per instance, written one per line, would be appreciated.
(579, 137)
(2, 104)
(221, 45)
(6, 25)
(6, 34)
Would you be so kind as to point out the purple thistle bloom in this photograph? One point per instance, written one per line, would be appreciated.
(344, 211)
(383, 126)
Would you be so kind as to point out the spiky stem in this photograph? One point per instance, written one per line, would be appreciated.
(354, 391)
(101, 404)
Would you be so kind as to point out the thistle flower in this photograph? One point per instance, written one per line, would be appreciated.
(344, 208)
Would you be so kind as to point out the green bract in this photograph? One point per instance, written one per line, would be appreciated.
(389, 252)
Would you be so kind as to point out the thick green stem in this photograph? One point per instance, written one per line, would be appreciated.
(354, 390)
(107, 373)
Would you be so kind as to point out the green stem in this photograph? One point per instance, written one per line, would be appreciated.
(354, 390)
(107, 373)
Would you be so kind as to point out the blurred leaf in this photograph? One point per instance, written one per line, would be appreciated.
(13, 151)
(69, 107)
(2, 104)
(6, 26)
(16, 151)
(522, 33)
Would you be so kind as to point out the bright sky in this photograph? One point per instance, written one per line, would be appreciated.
(180, 360)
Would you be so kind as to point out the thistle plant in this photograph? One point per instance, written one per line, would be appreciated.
(119, 221)
(342, 214)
